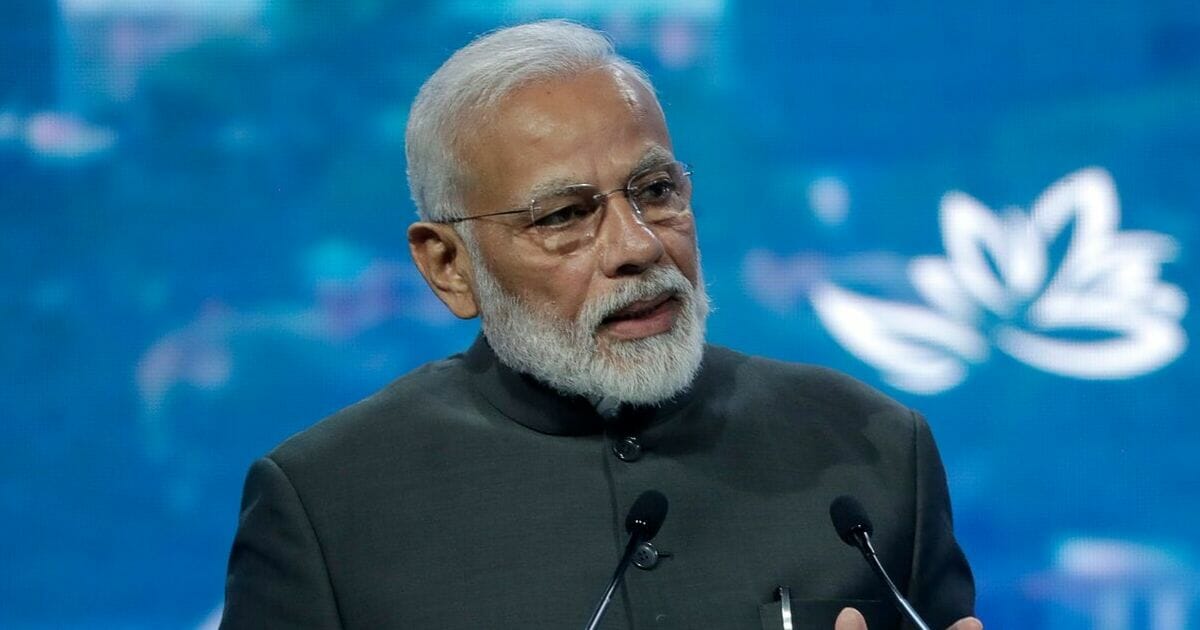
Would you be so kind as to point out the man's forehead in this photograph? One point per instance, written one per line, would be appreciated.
(546, 106)
(595, 127)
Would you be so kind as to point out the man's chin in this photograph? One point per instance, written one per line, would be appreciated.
(620, 349)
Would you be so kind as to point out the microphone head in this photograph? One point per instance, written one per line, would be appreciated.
(849, 517)
(647, 514)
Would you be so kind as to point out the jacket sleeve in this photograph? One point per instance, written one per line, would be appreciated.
(941, 586)
(277, 573)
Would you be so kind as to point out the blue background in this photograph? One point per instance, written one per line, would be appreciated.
(202, 215)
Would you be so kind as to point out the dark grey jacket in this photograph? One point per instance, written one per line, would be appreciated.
(465, 495)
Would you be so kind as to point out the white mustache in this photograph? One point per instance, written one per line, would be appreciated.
(653, 283)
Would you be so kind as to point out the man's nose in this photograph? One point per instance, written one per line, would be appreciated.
(627, 245)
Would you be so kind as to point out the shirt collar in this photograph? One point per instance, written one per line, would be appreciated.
(533, 404)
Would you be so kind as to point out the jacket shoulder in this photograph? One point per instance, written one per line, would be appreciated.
(406, 405)
(800, 383)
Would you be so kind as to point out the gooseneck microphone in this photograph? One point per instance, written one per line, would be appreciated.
(645, 518)
(855, 529)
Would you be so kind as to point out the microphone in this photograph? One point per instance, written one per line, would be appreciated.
(645, 518)
(855, 529)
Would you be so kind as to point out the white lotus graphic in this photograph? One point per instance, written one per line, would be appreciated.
(1102, 312)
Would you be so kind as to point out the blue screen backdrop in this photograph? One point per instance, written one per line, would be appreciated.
(987, 209)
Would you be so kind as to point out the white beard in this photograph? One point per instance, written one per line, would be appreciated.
(566, 356)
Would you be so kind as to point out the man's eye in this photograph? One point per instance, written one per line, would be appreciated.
(564, 216)
(658, 191)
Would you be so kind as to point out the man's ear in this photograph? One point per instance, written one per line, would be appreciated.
(443, 259)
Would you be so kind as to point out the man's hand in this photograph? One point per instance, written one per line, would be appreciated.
(851, 619)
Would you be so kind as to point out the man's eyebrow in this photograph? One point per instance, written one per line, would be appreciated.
(653, 157)
(552, 187)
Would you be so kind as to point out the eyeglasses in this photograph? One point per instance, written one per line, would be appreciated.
(568, 218)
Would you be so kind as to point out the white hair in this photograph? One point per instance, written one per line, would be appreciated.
(566, 355)
(473, 80)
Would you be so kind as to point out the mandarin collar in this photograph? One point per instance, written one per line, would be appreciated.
(537, 406)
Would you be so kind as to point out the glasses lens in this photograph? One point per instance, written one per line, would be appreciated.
(565, 219)
(565, 210)
(569, 218)
(661, 193)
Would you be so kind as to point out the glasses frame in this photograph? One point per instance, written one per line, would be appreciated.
(601, 198)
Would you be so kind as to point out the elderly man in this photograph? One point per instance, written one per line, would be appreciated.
(488, 490)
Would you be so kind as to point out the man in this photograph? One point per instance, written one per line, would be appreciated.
(489, 489)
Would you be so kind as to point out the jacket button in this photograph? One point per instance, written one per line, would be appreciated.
(627, 449)
(645, 556)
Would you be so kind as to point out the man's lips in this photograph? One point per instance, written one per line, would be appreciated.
(640, 307)
(643, 318)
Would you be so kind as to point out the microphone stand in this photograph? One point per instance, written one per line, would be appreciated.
(634, 540)
(868, 551)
